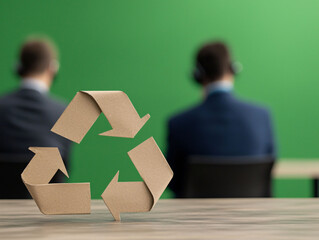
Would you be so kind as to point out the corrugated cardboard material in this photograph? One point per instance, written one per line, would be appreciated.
(54, 198)
(119, 197)
(139, 196)
(86, 107)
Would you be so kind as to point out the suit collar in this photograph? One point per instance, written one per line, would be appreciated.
(218, 95)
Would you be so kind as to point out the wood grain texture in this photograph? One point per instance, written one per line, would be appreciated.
(296, 169)
(170, 219)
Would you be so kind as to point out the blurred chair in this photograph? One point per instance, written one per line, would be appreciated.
(11, 167)
(11, 184)
(228, 177)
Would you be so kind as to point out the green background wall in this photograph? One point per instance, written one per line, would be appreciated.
(145, 48)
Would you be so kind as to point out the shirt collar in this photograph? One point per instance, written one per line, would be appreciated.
(34, 84)
(219, 86)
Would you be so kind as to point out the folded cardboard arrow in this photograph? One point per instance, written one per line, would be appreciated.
(54, 198)
(87, 106)
(119, 197)
(140, 196)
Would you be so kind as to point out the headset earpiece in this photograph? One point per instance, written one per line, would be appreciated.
(199, 73)
(18, 69)
(55, 66)
(236, 67)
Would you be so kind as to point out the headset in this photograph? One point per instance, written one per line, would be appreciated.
(199, 72)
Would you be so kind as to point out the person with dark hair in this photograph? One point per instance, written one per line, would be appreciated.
(28, 114)
(222, 125)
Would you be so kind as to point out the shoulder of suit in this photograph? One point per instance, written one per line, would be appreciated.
(184, 116)
(6, 98)
(258, 108)
(57, 102)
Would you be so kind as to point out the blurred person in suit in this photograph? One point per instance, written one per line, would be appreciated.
(222, 124)
(27, 115)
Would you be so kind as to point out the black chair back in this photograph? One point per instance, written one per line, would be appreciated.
(11, 167)
(228, 177)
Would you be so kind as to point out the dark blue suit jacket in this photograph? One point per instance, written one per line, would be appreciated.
(221, 126)
(26, 117)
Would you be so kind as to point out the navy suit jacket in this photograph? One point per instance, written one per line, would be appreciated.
(26, 117)
(220, 126)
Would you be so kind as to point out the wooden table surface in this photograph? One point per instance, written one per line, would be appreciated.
(296, 168)
(170, 219)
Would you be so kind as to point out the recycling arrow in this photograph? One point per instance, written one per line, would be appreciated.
(59, 198)
(87, 106)
(139, 196)
(127, 197)
(73, 124)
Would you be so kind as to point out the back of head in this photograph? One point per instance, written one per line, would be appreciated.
(213, 61)
(36, 56)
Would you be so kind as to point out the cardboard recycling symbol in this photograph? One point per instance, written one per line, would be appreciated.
(74, 123)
